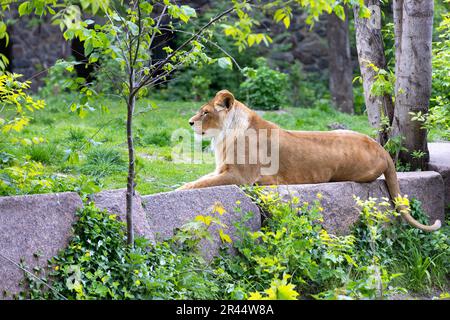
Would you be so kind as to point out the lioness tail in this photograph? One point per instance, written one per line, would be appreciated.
(394, 190)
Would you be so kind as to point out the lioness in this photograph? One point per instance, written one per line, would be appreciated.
(303, 156)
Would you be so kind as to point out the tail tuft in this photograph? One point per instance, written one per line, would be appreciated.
(437, 224)
(394, 190)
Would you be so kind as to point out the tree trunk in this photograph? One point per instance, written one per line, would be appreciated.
(131, 162)
(340, 63)
(413, 34)
(369, 43)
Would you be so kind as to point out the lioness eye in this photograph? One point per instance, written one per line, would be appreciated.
(205, 113)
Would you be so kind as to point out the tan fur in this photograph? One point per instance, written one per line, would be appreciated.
(304, 156)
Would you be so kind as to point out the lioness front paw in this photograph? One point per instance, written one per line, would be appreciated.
(187, 186)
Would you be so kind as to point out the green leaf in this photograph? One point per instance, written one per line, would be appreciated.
(287, 21)
(225, 63)
(188, 11)
(339, 11)
(224, 237)
(251, 39)
(23, 8)
(364, 12)
(279, 15)
(2, 29)
(286, 292)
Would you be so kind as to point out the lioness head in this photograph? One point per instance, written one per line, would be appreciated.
(209, 120)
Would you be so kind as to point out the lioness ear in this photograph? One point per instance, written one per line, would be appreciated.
(223, 99)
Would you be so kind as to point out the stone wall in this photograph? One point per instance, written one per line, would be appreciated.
(33, 228)
(440, 162)
(36, 45)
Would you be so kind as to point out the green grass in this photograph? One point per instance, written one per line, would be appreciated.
(99, 140)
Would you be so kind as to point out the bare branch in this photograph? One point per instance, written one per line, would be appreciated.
(124, 56)
(210, 42)
(147, 80)
(157, 26)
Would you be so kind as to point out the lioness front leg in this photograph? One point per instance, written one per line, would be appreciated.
(188, 185)
(225, 178)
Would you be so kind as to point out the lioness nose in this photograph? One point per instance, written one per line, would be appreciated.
(191, 123)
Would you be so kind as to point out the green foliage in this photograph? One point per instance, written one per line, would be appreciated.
(203, 81)
(242, 30)
(97, 264)
(422, 258)
(438, 117)
(293, 242)
(44, 153)
(15, 103)
(102, 161)
(376, 261)
(306, 89)
(264, 88)
(441, 60)
(279, 290)
(159, 138)
(105, 76)
(29, 177)
(59, 79)
(437, 120)
(291, 257)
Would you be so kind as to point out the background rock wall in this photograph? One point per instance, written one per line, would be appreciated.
(35, 46)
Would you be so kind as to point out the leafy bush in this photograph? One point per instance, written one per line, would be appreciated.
(58, 79)
(441, 60)
(293, 242)
(264, 88)
(105, 75)
(438, 119)
(15, 105)
(29, 177)
(375, 261)
(202, 83)
(99, 265)
(422, 258)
